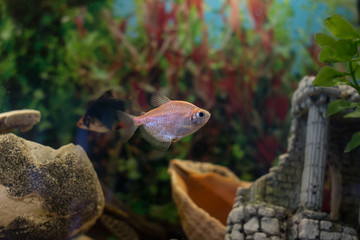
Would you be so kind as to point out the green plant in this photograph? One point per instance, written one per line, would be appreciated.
(341, 47)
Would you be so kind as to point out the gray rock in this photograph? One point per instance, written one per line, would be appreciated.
(260, 236)
(270, 226)
(236, 214)
(349, 230)
(308, 229)
(274, 238)
(330, 236)
(46, 193)
(250, 210)
(266, 212)
(346, 236)
(236, 234)
(325, 225)
(251, 226)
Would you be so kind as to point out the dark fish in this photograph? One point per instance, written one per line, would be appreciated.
(101, 115)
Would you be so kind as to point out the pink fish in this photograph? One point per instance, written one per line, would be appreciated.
(169, 122)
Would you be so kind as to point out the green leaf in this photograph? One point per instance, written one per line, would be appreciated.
(344, 50)
(328, 77)
(338, 106)
(326, 56)
(324, 40)
(354, 114)
(354, 142)
(340, 28)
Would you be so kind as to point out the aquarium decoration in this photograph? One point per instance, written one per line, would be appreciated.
(46, 193)
(204, 194)
(23, 120)
(290, 201)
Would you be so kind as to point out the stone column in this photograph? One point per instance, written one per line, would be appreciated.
(312, 184)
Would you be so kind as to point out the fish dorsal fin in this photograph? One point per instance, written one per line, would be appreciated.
(163, 146)
(157, 99)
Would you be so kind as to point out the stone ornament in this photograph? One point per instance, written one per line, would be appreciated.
(296, 185)
(46, 193)
(204, 194)
(23, 120)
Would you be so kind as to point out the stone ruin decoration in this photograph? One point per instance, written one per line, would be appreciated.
(287, 203)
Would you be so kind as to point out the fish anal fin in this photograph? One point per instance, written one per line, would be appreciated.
(157, 99)
(125, 125)
(163, 146)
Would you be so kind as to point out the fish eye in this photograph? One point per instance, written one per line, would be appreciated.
(201, 114)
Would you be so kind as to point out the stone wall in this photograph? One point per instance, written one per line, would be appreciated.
(256, 221)
(314, 225)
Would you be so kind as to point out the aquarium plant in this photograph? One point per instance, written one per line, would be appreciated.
(341, 46)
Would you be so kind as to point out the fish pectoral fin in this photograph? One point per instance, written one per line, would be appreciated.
(157, 99)
(163, 146)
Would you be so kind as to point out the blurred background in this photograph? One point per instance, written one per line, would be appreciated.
(239, 59)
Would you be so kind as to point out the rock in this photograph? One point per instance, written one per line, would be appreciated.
(23, 120)
(349, 230)
(260, 236)
(308, 229)
(266, 212)
(251, 226)
(236, 233)
(270, 226)
(46, 193)
(325, 225)
(330, 236)
(236, 215)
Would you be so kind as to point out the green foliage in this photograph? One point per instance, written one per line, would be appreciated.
(339, 105)
(328, 77)
(341, 47)
(354, 142)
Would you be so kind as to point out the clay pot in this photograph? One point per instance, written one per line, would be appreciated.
(204, 195)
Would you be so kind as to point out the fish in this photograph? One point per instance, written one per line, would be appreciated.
(169, 122)
(101, 115)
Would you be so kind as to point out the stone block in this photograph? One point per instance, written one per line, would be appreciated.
(330, 235)
(266, 211)
(270, 226)
(308, 229)
(325, 225)
(236, 233)
(250, 210)
(251, 226)
(349, 230)
(237, 214)
(260, 236)
(346, 236)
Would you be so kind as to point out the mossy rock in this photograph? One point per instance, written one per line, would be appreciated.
(46, 193)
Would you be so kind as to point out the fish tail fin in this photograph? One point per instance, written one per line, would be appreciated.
(126, 125)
